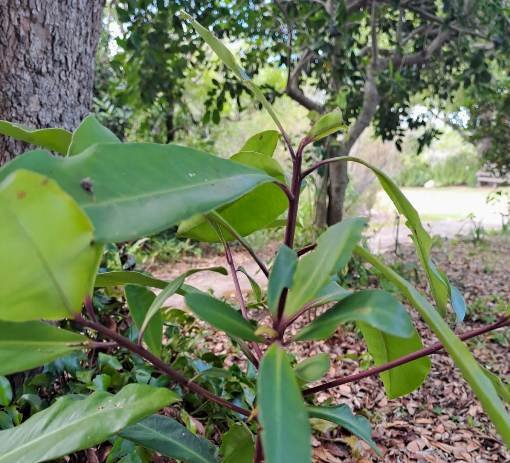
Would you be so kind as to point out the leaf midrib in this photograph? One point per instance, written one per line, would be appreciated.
(152, 194)
(167, 437)
(56, 431)
(42, 259)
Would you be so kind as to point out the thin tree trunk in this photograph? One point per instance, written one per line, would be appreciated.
(170, 125)
(338, 178)
(337, 188)
(47, 56)
(321, 202)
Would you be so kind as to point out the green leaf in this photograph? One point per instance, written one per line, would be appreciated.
(326, 125)
(121, 278)
(313, 368)
(73, 423)
(255, 287)
(470, 369)
(217, 46)
(253, 211)
(5, 392)
(222, 316)
(503, 389)
(331, 292)
(377, 308)
(384, 348)
(90, 132)
(170, 289)
(260, 161)
(171, 439)
(50, 241)
(226, 56)
(31, 344)
(286, 434)
(53, 139)
(139, 299)
(315, 269)
(343, 416)
(458, 303)
(135, 189)
(237, 445)
(263, 142)
(438, 282)
(281, 276)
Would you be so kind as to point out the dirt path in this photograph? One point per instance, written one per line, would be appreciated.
(383, 240)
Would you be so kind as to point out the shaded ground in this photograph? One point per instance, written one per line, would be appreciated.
(441, 422)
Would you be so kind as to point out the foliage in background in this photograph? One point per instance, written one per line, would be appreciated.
(102, 191)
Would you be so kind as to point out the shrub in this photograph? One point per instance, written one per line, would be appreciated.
(60, 212)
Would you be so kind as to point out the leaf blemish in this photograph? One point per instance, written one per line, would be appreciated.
(21, 194)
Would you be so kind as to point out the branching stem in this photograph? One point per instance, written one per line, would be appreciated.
(502, 322)
(159, 364)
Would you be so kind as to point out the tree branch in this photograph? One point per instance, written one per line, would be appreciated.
(293, 89)
(159, 364)
(502, 322)
(422, 56)
(451, 25)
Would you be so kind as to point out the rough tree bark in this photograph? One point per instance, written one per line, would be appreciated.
(47, 57)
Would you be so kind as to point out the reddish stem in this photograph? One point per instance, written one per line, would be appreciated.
(159, 364)
(502, 322)
(258, 456)
(239, 293)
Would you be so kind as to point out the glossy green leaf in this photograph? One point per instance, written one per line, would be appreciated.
(171, 439)
(255, 287)
(502, 388)
(377, 308)
(263, 142)
(135, 189)
(230, 61)
(281, 276)
(326, 125)
(139, 299)
(222, 316)
(74, 423)
(458, 303)
(286, 434)
(170, 289)
(90, 132)
(343, 416)
(331, 292)
(438, 282)
(313, 368)
(237, 445)
(470, 369)
(50, 240)
(31, 344)
(5, 392)
(253, 211)
(218, 47)
(121, 278)
(315, 269)
(53, 139)
(384, 348)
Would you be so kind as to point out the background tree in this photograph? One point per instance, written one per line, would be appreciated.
(374, 60)
(47, 52)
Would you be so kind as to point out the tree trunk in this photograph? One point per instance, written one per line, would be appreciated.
(47, 51)
(337, 188)
(338, 178)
